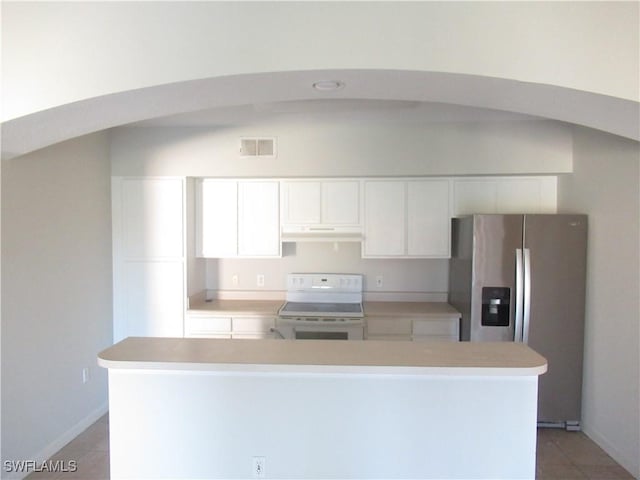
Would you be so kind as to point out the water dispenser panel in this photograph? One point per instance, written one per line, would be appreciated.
(496, 306)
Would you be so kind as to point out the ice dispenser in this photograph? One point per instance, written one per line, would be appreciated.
(495, 306)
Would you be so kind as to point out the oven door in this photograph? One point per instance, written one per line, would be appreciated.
(329, 332)
(320, 331)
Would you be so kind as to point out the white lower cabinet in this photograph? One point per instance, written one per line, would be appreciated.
(388, 328)
(207, 327)
(252, 327)
(424, 329)
(436, 330)
(228, 327)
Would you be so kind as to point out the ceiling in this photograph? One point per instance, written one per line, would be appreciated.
(372, 94)
(369, 110)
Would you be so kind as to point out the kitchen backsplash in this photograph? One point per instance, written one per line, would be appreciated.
(422, 276)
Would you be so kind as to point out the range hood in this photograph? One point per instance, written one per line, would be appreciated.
(310, 233)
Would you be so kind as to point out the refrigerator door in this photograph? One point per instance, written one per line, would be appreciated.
(557, 246)
(496, 239)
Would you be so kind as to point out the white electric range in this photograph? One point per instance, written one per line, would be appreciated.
(325, 306)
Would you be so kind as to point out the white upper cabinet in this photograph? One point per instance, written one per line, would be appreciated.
(407, 218)
(321, 202)
(384, 218)
(341, 203)
(217, 218)
(237, 218)
(258, 219)
(505, 195)
(428, 218)
(302, 202)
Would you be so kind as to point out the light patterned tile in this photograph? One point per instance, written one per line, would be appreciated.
(605, 472)
(549, 453)
(559, 472)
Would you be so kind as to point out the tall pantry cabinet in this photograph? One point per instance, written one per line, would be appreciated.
(149, 256)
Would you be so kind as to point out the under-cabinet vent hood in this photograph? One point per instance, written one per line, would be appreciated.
(309, 233)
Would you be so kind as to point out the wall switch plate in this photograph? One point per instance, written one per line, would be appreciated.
(235, 280)
(85, 374)
(379, 281)
(259, 467)
(260, 280)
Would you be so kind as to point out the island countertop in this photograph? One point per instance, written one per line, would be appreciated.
(324, 356)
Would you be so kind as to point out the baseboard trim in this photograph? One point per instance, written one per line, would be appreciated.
(46, 453)
(607, 446)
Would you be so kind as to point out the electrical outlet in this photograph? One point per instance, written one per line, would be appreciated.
(259, 467)
(260, 280)
(85, 374)
(379, 281)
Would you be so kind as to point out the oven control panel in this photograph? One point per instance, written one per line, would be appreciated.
(328, 282)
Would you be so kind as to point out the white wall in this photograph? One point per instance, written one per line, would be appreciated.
(49, 49)
(605, 185)
(56, 294)
(428, 276)
(334, 146)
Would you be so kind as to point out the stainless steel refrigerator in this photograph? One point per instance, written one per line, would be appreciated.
(522, 278)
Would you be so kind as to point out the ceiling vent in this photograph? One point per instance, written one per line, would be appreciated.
(258, 147)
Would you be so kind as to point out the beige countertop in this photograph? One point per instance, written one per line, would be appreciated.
(324, 356)
(270, 307)
(235, 307)
(410, 309)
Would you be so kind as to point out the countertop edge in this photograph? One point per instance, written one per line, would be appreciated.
(309, 357)
(347, 370)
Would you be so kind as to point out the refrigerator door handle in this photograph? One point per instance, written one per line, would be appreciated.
(519, 300)
(527, 295)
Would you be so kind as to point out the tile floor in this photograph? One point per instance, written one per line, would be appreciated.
(561, 455)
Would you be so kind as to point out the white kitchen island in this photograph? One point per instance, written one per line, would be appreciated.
(185, 408)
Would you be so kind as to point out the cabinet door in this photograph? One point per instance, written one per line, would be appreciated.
(217, 232)
(259, 219)
(148, 257)
(341, 203)
(385, 223)
(388, 328)
(209, 327)
(153, 297)
(302, 202)
(505, 195)
(428, 218)
(439, 328)
(152, 212)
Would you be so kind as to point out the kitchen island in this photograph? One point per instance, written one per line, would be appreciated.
(211, 408)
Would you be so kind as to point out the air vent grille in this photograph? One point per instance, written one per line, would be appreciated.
(257, 147)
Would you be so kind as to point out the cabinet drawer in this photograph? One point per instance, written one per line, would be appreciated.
(389, 326)
(436, 326)
(207, 325)
(252, 324)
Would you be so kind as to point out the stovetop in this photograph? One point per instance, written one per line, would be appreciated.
(301, 309)
(323, 294)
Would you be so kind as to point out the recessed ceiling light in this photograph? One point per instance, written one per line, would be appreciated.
(328, 85)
